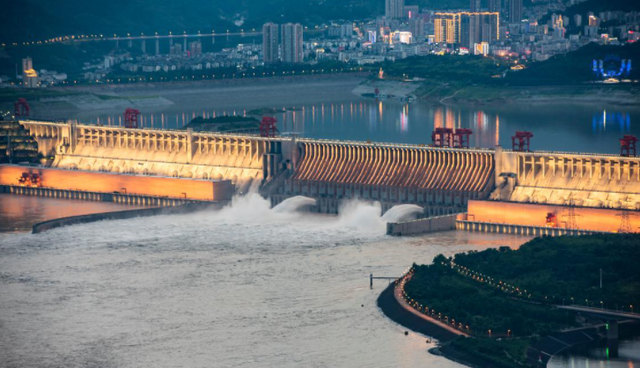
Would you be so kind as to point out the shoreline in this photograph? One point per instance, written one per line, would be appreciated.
(539, 354)
(249, 93)
(393, 310)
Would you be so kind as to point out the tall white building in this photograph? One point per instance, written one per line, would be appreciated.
(292, 41)
(394, 9)
(270, 43)
(29, 75)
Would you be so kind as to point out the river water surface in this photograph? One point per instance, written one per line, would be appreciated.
(244, 286)
(556, 127)
(240, 287)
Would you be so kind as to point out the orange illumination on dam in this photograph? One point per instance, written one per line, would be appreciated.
(87, 181)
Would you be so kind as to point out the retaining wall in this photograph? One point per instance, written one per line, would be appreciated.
(120, 215)
(99, 182)
(422, 226)
(535, 215)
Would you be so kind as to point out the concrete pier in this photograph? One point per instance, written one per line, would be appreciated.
(487, 227)
(121, 198)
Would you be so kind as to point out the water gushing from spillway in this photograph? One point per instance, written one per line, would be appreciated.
(402, 212)
(294, 204)
(356, 215)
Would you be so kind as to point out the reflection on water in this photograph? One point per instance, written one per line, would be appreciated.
(627, 356)
(20, 213)
(615, 120)
(556, 127)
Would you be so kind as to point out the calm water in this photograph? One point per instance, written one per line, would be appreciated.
(600, 356)
(20, 213)
(587, 128)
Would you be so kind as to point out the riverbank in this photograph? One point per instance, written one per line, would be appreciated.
(614, 95)
(516, 318)
(454, 93)
(248, 93)
(392, 309)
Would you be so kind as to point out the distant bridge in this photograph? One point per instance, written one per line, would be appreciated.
(604, 313)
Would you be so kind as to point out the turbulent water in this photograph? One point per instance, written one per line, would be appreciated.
(402, 212)
(243, 286)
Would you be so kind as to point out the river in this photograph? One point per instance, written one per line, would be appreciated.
(244, 286)
(240, 287)
(247, 286)
(20, 213)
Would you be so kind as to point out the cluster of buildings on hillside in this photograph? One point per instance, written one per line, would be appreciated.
(500, 28)
(29, 77)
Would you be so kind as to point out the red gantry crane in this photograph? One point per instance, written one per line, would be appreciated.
(628, 145)
(521, 142)
(461, 137)
(131, 118)
(268, 126)
(21, 108)
(442, 137)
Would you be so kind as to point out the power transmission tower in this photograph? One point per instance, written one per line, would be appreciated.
(625, 223)
(571, 215)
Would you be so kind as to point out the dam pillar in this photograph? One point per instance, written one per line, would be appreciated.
(189, 144)
(497, 159)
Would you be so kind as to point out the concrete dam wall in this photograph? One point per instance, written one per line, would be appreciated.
(587, 180)
(180, 154)
(442, 180)
(439, 179)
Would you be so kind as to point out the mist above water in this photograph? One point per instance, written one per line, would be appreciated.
(353, 214)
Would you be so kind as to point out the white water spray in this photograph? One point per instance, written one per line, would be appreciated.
(402, 212)
(294, 204)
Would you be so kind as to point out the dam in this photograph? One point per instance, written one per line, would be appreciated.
(441, 180)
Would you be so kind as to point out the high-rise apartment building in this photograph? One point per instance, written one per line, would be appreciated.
(270, 44)
(467, 28)
(29, 75)
(478, 27)
(495, 6)
(446, 27)
(195, 48)
(416, 26)
(394, 9)
(346, 30)
(292, 50)
(513, 9)
(475, 5)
